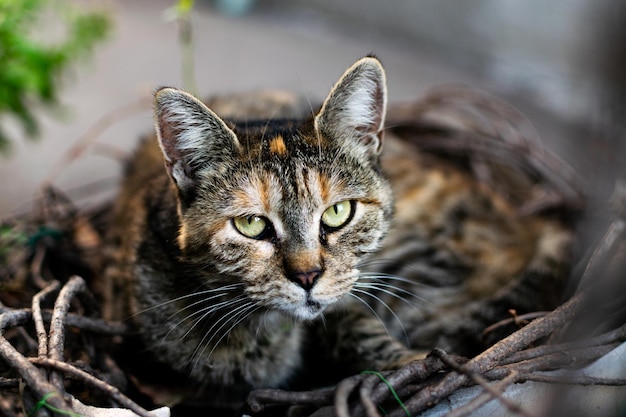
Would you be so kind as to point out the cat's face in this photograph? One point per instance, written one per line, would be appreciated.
(288, 209)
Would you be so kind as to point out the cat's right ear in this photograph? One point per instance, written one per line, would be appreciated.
(354, 111)
(191, 136)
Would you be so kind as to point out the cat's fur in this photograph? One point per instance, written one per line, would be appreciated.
(233, 312)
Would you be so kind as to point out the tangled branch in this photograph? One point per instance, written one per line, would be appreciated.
(51, 346)
(458, 125)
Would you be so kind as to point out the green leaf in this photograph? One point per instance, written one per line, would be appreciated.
(31, 70)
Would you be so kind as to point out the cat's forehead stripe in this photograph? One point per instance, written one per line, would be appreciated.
(324, 187)
(277, 146)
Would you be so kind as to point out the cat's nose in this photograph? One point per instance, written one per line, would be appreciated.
(305, 279)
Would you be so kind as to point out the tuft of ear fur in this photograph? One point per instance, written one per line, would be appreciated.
(354, 111)
(191, 136)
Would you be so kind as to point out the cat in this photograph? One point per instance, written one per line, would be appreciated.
(255, 253)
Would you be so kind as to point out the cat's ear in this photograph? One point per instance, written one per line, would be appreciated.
(354, 112)
(191, 136)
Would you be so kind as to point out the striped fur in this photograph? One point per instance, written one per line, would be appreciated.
(234, 313)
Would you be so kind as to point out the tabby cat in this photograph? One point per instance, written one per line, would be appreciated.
(253, 253)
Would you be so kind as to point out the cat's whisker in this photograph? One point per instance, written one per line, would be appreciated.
(228, 287)
(322, 318)
(393, 313)
(376, 261)
(391, 277)
(221, 322)
(379, 263)
(394, 292)
(378, 276)
(242, 315)
(238, 315)
(262, 323)
(204, 312)
(202, 301)
(370, 308)
(209, 332)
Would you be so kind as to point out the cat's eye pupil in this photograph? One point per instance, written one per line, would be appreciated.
(255, 227)
(338, 215)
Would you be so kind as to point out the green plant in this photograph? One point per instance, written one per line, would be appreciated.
(30, 67)
(181, 12)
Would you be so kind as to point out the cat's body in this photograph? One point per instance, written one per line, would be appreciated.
(242, 260)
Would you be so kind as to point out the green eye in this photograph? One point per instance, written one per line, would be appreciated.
(338, 214)
(254, 227)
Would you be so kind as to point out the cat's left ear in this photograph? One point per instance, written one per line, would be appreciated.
(193, 138)
(354, 111)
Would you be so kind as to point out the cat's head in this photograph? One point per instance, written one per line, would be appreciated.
(288, 209)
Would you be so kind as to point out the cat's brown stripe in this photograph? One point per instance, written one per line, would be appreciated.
(324, 187)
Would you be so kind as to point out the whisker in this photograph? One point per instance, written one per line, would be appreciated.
(384, 276)
(203, 300)
(193, 294)
(244, 312)
(322, 318)
(393, 313)
(380, 261)
(205, 313)
(383, 281)
(382, 287)
(243, 316)
(371, 309)
(233, 314)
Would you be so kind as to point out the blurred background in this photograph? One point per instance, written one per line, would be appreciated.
(556, 61)
(561, 62)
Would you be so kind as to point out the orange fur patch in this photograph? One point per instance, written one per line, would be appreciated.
(255, 196)
(324, 188)
(277, 146)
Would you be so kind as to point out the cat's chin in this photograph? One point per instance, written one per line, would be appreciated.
(306, 311)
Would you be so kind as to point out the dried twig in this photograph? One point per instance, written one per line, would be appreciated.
(520, 320)
(570, 379)
(113, 393)
(365, 392)
(89, 324)
(414, 371)
(485, 397)
(492, 356)
(31, 375)
(491, 390)
(42, 335)
(56, 343)
(617, 335)
(558, 360)
(342, 393)
(50, 351)
(258, 399)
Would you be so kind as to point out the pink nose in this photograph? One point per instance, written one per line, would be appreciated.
(305, 279)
